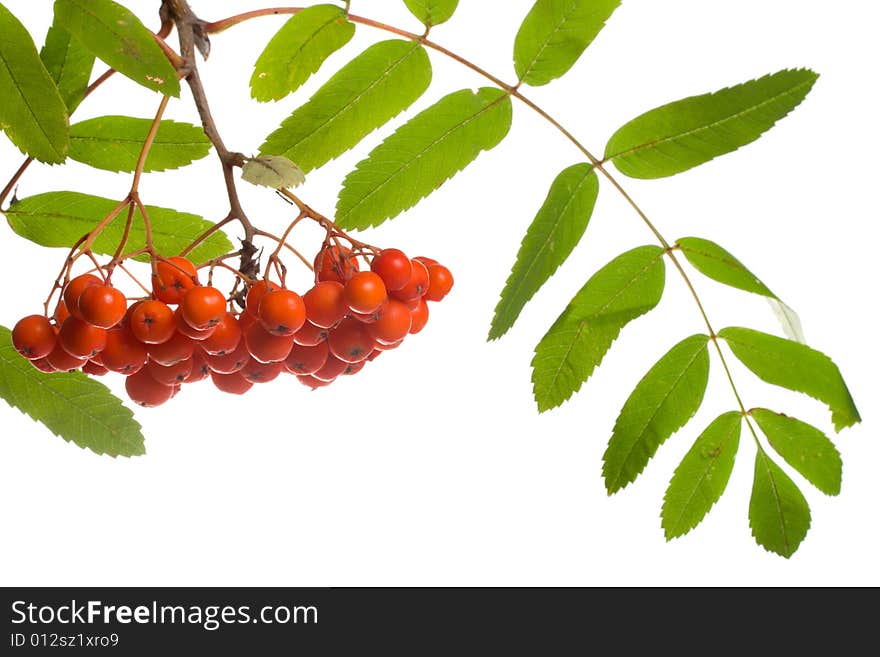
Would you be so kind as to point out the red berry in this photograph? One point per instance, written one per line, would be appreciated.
(256, 293)
(200, 369)
(282, 312)
(173, 278)
(151, 321)
(81, 339)
(257, 372)
(310, 335)
(264, 346)
(307, 360)
(365, 292)
(393, 322)
(393, 267)
(144, 390)
(417, 284)
(312, 382)
(354, 368)
(170, 375)
(419, 317)
(102, 305)
(177, 349)
(440, 282)
(43, 365)
(123, 353)
(225, 338)
(94, 369)
(332, 368)
(325, 304)
(350, 341)
(334, 263)
(203, 307)
(199, 335)
(231, 362)
(33, 337)
(75, 288)
(61, 361)
(234, 383)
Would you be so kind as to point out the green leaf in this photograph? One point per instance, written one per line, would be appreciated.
(32, 112)
(555, 34)
(274, 171)
(701, 477)
(690, 132)
(803, 447)
(624, 289)
(556, 230)
(796, 367)
(59, 219)
(118, 37)
(432, 12)
(298, 50)
(720, 265)
(362, 96)
(778, 513)
(69, 63)
(422, 155)
(664, 401)
(71, 405)
(114, 143)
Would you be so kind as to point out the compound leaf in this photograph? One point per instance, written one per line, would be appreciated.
(422, 155)
(624, 289)
(803, 447)
(114, 143)
(362, 96)
(432, 12)
(778, 513)
(701, 477)
(555, 34)
(298, 50)
(684, 134)
(556, 230)
(69, 404)
(69, 63)
(118, 37)
(665, 400)
(59, 219)
(794, 366)
(32, 112)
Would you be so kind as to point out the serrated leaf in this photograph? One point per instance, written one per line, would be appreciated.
(804, 447)
(778, 513)
(118, 37)
(684, 134)
(70, 405)
(665, 400)
(423, 154)
(556, 230)
(32, 112)
(720, 265)
(554, 35)
(432, 12)
(274, 171)
(114, 143)
(624, 289)
(298, 50)
(794, 366)
(701, 477)
(362, 96)
(59, 219)
(69, 63)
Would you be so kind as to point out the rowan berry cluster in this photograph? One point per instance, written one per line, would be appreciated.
(186, 331)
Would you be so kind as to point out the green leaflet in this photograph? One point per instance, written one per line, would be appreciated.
(59, 219)
(362, 96)
(555, 34)
(114, 143)
(690, 132)
(796, 367)
(624, 289)
(69, 64)
(778, 513)
(117, 36)
(422, 155)
(556, 230)
(665, 400)
(720, 265)
(701, 477)
(432, 12)
(32, 112)
(803, 447)
(274, 171)
(298, 50)
(71, 405)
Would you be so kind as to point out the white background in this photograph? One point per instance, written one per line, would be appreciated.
(432, 467)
